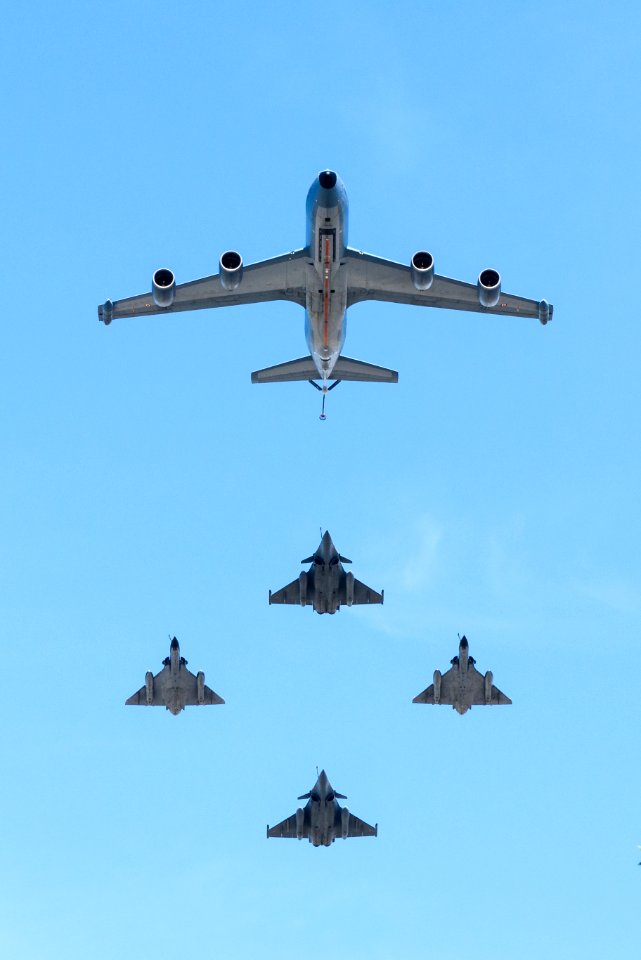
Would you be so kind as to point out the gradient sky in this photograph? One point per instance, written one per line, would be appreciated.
(149, 489)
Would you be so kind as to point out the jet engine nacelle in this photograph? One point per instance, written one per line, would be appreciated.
(488, 686)
(422, 270)
(488, 286)
(231, 269)
(300, 823)
(349, 588)
(437, 686)
(302, 587)
(149, 687)
(200, 687)
(344, 823)
(163, 287)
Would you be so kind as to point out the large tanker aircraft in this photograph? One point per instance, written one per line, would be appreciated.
(325, 277)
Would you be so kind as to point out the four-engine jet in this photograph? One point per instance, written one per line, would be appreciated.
(462, 686)
(322, 819)
(326, 277)
(326, 584)
(175, 687)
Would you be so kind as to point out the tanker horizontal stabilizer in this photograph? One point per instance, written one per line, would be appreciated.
(302, 369)
(347, 369)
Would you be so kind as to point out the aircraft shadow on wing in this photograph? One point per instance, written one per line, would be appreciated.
(322, 819)
(175, 687)
(326, 585)
(462, 686)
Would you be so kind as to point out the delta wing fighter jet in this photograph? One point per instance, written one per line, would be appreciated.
(322, 819)
(462, 686)
(325, 277)
(175, 687)
(326, 584)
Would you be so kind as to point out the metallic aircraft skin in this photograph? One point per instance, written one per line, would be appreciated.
(322, 819)
(326, 277)
(175, 687)
(462, 686)
(326, 585)
(326, 303)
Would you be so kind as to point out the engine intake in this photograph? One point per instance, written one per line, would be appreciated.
(489, 287)
(422, 270)
(163, 287)
(231, 269)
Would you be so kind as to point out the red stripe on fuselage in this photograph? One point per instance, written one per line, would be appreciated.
(326, 297)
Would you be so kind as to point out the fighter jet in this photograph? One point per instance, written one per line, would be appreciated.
(175, 687)
(326, 585)
(326, 277)
(462, 686)
(322, 819)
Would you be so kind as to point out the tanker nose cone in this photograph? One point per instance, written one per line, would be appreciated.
(327, 179)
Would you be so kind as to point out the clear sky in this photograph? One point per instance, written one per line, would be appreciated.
(149, 489)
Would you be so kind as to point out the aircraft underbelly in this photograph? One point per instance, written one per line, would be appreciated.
(325, 329)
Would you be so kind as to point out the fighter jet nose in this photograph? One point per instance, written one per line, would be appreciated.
(327, 179)
(174, 644)
(464, 642)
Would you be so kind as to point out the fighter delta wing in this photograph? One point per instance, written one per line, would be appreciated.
(326, 585)
(462, 686)
(175, 687)
(322, 819)
(326, 277)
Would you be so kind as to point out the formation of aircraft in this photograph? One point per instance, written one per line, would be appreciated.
(175, 687)
(322, 819)
(462, 686)
(326, 585)
(326, 277)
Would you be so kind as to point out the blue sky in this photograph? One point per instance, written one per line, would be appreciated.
(149, 489)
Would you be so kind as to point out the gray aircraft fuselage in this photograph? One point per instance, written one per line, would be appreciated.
(325, 311)
(328, 571)
(174, 690)
(321, 809)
